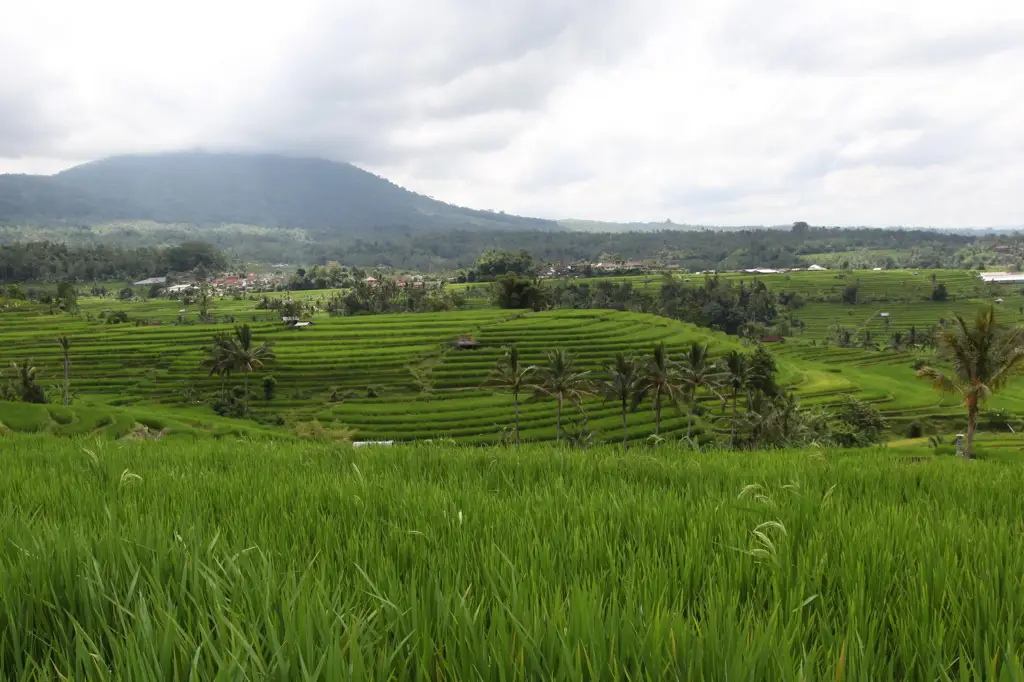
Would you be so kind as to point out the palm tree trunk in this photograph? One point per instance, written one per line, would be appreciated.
(625, 428)
(972, 419)
(657, 413)
(515, 397)
(732, 439)
(245, 405)
(67, 380)
(558, 419)
(689, 421)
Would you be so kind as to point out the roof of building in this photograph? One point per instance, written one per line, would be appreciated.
(1002, 277)
(150, 281)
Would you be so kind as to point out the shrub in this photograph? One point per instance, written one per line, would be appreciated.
(269, 387)
(915, 430)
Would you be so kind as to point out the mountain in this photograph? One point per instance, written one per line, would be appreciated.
(254, 189)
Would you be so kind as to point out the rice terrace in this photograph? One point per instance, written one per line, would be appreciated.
(266, 417)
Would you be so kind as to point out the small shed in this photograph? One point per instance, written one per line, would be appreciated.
(300, 325)
(999, 301)
(883, 314)
(466, 343)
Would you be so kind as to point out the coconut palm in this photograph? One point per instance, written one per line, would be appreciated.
(560, 379)
(247, 357)
(511, 374)
(737, 379)
(983, 356)
(220, 357)
(698, 372)
(659, 380)
(623, 384)
(65, 345)
(24, 382)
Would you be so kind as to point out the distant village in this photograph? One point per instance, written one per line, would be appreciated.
(227, 283)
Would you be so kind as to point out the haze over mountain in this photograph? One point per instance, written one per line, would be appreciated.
(254, 189)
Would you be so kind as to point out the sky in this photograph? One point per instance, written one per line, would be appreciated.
(729, 112)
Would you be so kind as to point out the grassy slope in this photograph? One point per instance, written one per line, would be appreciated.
(279, 562)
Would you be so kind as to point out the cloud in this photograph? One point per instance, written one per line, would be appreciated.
(741, 111)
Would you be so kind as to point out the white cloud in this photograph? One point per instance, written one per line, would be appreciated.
(741, 111)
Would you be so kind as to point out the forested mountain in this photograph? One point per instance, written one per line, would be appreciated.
(254, 189)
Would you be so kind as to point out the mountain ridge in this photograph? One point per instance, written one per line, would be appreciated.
(211, 188)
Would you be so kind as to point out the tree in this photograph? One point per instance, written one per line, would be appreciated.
(190, 255)
(494, 263)
(698, 372)
(737, 379)
(762, 372)
(850, 293)
(511, 291)
(65, 345)
(220, 357)
(249, 358)
(660, 380)
(67, 297)
(622, 385)
(983, 357)
(511, 374)
(269, 387)
(560, 379)
(939, 292)
(24, 384)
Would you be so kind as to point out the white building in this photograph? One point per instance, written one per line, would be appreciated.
(816, 268)
(1003, 277)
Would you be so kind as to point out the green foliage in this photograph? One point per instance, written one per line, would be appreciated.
(984, 357)
(269, 387)
(865, 423)
(512, 291)
(495, 263)
(23, 382)
(422, 563)
(939, 293)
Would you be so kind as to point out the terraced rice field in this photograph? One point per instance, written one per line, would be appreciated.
(389, 356)
(399, 376)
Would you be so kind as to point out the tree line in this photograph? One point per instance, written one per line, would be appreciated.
(52, 262)
(716, 303)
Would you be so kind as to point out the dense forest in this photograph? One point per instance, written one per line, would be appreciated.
(98, 256)
(48, 262)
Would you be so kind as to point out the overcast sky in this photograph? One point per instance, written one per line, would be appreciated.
(881, 112)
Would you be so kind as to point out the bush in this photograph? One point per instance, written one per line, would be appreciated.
(269, 387)
(915, 430)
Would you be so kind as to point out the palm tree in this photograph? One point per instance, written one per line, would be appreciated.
(513, 376)
(698, 372)
(220, 357)
(24, 382)
(984, 356)
(737, 379)
(623, 385)
(247, 357)
(660, 379)
(561, 381)
(65, 345)
(896, 342)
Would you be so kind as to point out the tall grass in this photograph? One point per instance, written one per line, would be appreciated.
(217, 560)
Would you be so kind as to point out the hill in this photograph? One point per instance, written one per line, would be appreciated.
(254, 189)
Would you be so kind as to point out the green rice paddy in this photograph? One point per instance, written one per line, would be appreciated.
(399, 377)
(255, 560)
